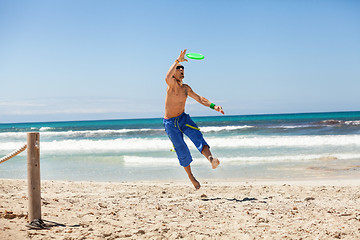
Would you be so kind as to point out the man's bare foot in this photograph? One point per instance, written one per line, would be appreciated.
(192, 178)
(195, 183)
(214, 162)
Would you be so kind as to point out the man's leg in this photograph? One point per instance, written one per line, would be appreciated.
(214, 161)
(191, 177)
(177, 139)
(193, 132)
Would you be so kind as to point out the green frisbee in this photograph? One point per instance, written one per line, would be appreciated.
(196, 56)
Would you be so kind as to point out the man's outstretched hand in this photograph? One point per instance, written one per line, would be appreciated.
(219, 109)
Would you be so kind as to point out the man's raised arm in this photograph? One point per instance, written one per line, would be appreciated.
(169, 75)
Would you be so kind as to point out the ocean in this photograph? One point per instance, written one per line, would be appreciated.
(273, 146)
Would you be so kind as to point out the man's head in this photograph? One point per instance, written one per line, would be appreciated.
(179, 73)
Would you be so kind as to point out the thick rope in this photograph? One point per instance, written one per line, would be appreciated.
(13, 154)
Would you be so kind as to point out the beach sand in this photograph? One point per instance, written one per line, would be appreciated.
(175, 210)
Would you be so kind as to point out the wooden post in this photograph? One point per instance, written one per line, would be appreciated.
(33, 165)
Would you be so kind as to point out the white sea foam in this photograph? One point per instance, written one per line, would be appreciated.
(290, 127)
(135, 160)
(46, 132)
(101, 146)
(163, 144)
(12, 135)
(93, 133)
(154, 161)
(136, 145)
(52, 133)
(88, 133)
(286, 141)
(223, 128)
(353, 123)
(45, 129)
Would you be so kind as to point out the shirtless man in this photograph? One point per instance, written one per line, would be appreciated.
(177, 122)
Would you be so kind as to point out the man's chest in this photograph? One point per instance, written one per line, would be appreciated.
(178, 91)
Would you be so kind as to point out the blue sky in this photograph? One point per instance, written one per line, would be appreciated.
(84, 60)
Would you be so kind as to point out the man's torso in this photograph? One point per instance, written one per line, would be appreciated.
(175, 100)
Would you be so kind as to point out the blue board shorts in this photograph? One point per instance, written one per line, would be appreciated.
(176, 128)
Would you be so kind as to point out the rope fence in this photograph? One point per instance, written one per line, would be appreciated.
(13, 154)
(34, 182)
(33, 170)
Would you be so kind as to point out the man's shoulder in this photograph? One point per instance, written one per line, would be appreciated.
(187, 87)
(170, 81)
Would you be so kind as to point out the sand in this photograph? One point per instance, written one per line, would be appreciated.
(175, 210)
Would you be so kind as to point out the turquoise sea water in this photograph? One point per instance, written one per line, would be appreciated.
(306, 145)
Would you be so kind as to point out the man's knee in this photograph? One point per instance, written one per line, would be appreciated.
(205, 149)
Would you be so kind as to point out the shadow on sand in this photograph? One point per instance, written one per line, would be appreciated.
(229, 199)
